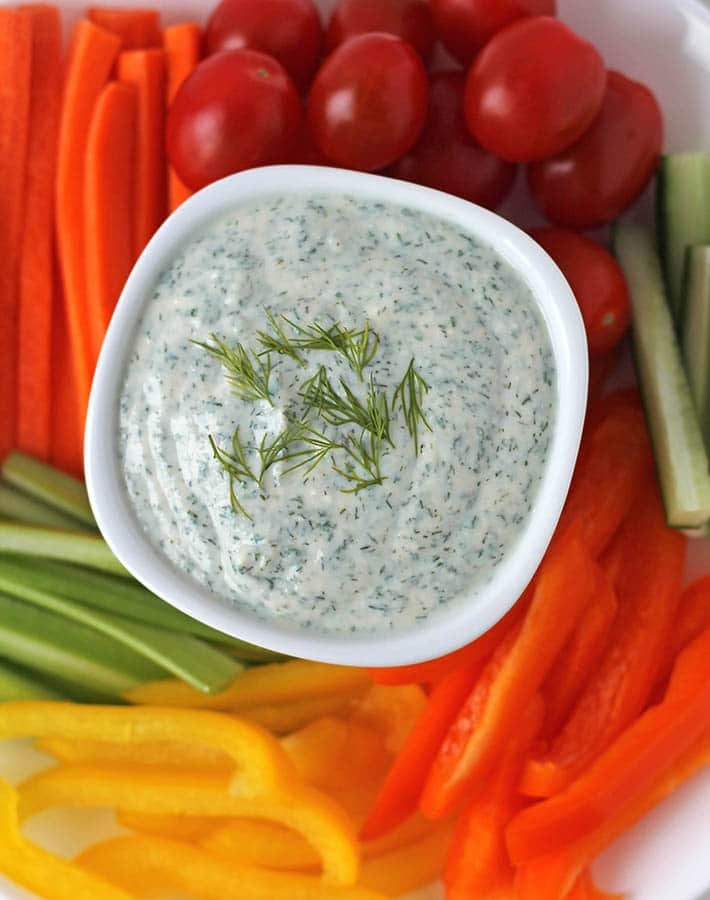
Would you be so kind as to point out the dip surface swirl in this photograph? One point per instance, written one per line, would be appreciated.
(312, 556)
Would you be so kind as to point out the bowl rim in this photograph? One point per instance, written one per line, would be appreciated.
(447, 630)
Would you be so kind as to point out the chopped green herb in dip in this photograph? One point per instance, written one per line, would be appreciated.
(308, 553)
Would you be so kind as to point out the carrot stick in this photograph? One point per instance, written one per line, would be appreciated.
(66, 409)
(138, 29)
(145, 71)
(36, 285)
(109, 202)
(15, 87)
(92, 54)
(182, 45)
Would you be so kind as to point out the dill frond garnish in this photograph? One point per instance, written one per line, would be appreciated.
(246, 373)
(410, 394)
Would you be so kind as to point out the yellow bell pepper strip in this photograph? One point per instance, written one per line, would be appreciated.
(393, 711)
(148, 865)
(149, 790)
(261, 764)
(332, 753)
(181, 828)
(407, 868)
(43, 873)
(171, 754)
(262, 844)
(283, 718)
(296, 679)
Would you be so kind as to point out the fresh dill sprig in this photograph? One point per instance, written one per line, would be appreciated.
(247, 373)
(278, 342)
(345, 408)
(236, 466)
(410, 393)
(365, 453)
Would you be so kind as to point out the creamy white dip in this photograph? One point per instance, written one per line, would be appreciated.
(311, 555)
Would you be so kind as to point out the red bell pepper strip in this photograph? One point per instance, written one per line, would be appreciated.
(648, 559)
(564, 586)
(478, 860)
(627, 769)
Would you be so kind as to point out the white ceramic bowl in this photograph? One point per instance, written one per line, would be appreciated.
(464, 620)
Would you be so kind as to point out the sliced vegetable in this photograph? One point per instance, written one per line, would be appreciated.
(696, 330)
(681, 459)
(144, 70)
(564, 586)
(193, 660)
(284, 718)
(37, 282)
(67, 405)
(683, 213)
(15, 92)
(73, 546)
(110, 198)
(66, 650)
(45, 483)
(168, 754)
(137, 28)
(19, 684)
(407, 868)
(182, 45)
(92, 54)
(21, 507)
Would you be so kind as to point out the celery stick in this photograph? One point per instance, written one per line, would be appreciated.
(194, 661)
(20, 507)
(69, 651)
(17, 684)
(72, 546)
(49, 485)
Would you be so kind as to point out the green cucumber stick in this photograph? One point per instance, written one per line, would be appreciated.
(70, 652)
(48, 485)
(20, 507)
(184, 656)
(71, 546)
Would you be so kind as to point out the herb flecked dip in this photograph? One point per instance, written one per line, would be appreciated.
(307, 547)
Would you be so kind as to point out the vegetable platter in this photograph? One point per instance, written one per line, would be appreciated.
(664, 856)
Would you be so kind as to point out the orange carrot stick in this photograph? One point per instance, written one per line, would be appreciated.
(92, 54)
(66, 407)
(15, 81)
(36, 284)
(110, 197)
(145, 71)
(182, 44)
(138, 29)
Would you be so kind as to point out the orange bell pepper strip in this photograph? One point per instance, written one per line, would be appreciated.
(564, 586)
(41, 872)
(478, 651)
(391, 711)
(477, 860)
(181, 828)
(648, 747)
(168, 754)
(551, 877)
(617, 458)
(648, 559)
(162, 791)
(579, 658)
(260, 843)
(261, 765)
(585, 889)
(407, 868)
(148, 865)
(693, 616)
(274, 683)
(398, 797)
(284, 718)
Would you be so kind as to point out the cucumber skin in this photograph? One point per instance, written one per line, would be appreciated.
(696, 334)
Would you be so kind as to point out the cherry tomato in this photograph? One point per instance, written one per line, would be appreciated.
(368, 102)
(238, 109)
(596, 281)
(408, 19)
(533, 90)
(594, 181)
(446, 157)
(467, 25)
(288, 30)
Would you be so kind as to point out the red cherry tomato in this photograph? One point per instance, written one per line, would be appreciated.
(446, 157)
(533, 90)
(368, 102)
(594, 181)
(238, 109)
(596, 281)
(408, 19)
(467, 25)
(288, 30)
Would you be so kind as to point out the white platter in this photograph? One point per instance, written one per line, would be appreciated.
(666, 44)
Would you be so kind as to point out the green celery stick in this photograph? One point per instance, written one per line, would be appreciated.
(189, 658)
(71, 546)
(18, 684)
(48, 485)
(69, 651)
(20, 507)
